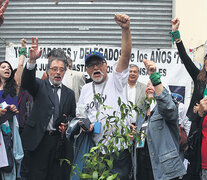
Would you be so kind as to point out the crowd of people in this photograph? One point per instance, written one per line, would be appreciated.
(37, 115)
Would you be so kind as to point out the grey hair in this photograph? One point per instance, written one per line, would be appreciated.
(57, 54)
(134, 65)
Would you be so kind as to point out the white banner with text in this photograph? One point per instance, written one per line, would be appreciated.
(168, 62)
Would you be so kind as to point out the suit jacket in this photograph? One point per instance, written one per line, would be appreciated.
(139, 97)
(75, 81)
(43, 107)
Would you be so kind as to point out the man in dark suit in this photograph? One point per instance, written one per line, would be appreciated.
(51, 108)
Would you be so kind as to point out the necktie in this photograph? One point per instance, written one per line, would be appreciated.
(56, 112)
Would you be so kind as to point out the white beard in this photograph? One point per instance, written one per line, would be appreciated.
(99, 79)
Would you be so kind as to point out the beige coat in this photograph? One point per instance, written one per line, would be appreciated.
(75, 81)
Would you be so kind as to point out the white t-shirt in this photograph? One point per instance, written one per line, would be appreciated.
(131, 93)
(114, 88)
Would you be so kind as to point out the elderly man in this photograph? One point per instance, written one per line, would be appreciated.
(72, 79)
(109, 87)
(2, 10)
(53, 105)
(158, 157)
(135, 90)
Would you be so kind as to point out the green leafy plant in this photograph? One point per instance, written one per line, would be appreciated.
(99, 161)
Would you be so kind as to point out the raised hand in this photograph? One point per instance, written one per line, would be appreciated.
(150, 66)
(2, 10)
(23, 43)
(175, 24)
(122, 20)
(34, 53)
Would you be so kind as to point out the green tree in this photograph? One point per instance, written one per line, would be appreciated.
(99, 161)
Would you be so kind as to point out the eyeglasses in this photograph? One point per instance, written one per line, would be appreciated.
(95, 63)
(55, 69)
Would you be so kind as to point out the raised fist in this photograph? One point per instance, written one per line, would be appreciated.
(23, 43)
(122, 20)
(175, 24)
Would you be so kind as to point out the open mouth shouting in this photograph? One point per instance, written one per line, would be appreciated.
(7, 73)
(97, 76)
(97, 73)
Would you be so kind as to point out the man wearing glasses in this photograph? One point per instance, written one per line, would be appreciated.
(109, 87)
(54, 104)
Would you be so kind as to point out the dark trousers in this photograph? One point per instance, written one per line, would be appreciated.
(144, 167)
(44, 165)
(191, 174)
(123, 165)
(24, 172)
(25, 162)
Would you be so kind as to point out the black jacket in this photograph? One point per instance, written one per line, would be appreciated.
(43, 107)
(193, 71)
(199, 87)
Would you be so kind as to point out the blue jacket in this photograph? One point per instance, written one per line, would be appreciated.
(162, 139)
(17, 153)
(82, 145)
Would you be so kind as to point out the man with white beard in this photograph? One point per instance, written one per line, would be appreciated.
(109, 87)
